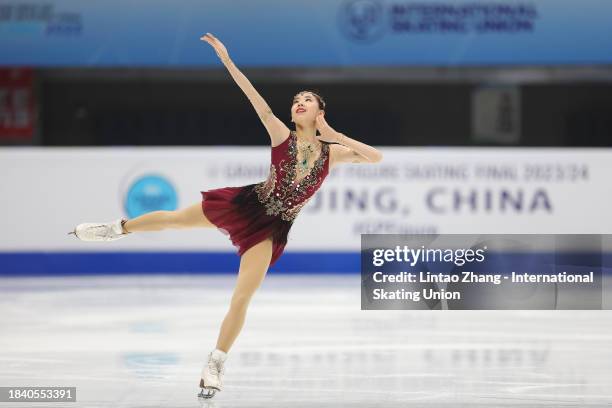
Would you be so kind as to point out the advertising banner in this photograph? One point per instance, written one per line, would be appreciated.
(17, 115)
(412, 191)
(327, 33)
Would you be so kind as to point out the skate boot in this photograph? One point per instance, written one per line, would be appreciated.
(211, 379)
(99, 232)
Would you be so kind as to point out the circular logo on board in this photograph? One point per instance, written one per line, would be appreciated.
(148, 193)
(362, 20)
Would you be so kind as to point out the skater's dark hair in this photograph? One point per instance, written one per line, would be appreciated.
(318, 97)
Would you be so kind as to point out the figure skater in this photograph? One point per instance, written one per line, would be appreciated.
(256, 217)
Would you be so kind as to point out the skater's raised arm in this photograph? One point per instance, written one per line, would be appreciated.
(277, 130)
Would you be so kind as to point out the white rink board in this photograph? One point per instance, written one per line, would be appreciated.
(47, 191)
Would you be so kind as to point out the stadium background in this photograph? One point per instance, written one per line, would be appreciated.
(513, 95)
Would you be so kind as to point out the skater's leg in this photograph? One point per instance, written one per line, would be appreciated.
(189, 217)
(253, 267)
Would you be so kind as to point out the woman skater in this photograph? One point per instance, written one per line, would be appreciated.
(256, 217)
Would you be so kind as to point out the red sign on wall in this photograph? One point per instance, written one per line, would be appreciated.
(17, 115)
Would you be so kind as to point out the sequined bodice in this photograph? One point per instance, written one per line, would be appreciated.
(281, 193)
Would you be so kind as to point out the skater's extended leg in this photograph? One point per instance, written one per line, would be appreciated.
(189, 217)
(253, 267)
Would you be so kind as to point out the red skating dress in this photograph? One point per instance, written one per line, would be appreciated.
(249, 214)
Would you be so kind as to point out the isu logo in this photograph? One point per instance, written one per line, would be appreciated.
(362, 20)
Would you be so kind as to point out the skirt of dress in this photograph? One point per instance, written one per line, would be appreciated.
(237, 213)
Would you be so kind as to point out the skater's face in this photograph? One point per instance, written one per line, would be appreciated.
(305, 108)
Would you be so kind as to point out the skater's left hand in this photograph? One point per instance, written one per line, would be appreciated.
(218, 47)
(327, 133)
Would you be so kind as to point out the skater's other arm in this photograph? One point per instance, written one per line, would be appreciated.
(346, 150)
(277, 130)
(341, 154)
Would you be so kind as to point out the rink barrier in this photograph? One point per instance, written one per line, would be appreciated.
(117, 263)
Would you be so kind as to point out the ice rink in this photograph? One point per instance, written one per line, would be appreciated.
(140, 341)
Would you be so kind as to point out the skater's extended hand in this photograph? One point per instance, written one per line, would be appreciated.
(218, 46)
(327, 133)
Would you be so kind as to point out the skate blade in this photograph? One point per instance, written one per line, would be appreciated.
(206, 392)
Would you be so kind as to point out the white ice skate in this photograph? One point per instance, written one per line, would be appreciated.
(99, 232)
(211, 379)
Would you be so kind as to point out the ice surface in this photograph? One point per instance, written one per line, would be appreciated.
(140, 341)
